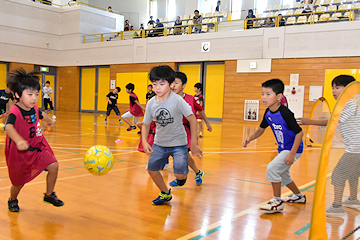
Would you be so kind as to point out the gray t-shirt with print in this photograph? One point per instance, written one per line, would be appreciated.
(46, 91)
(170, 131)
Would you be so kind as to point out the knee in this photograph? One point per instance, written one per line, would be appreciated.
(53, 167)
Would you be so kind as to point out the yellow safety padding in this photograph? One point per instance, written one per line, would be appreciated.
(103, 88)
(88, 89)
(214, 92)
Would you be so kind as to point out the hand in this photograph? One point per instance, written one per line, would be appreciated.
(50, 124)
(303, 121)
(139, 124)
(147, 148)
(22, 145)
(209, 127)
(50, 99)
(290, 158)
(109, 102)
(195, 150)
(246, 142)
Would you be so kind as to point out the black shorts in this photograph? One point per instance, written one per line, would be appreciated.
(46, 102)
(115, 108)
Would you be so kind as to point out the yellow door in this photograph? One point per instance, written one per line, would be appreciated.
(88, 89)
(192, 72)
(3, 74)
(103, 88)
(214, 90)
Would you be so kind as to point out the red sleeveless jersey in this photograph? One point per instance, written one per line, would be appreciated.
(195, 107)
(135, 109)
(23, 166)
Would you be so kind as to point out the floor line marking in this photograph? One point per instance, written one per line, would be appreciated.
(217, 225)
(303, 229)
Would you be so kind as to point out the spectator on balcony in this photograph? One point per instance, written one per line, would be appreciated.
(250, 22)
(177, 30)
(217, 9)
(309, 6)
(110, 9)
(159, 25)
(127, 26)
(151, 21)
(281, 20)
(197, 19)
(269, 23)
(141, 26)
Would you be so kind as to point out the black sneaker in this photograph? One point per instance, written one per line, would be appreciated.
(133, 127)
(105, 121)
(54, 200)
(13, 205)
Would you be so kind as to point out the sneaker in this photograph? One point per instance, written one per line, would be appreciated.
(294, 199)
(162, 198)
(273, 206)
(351, 203)
(53, 117)
(13, 205)
(131, 128)
(105, 121)
(167, 165)
(332, 211)
(175, 183)
(201, 135)
(121, 122)
(139, 132)
(54, 200)
(199, 178)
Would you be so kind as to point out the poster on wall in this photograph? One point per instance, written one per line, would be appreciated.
(112, 84)
(295, 99)
(251, 110)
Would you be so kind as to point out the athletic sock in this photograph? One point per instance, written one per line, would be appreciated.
(299, 195)
(277, 198)
(335, 205)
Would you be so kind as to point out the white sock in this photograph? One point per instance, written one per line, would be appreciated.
(299, 194)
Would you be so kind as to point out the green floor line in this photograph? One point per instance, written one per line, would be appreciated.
(303, 229)
(244, 180)
(65, 150)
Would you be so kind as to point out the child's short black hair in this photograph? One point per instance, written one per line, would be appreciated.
(342, 80)
(182, 77)
(275, 84)
(47, 82)
(118, 88)
(196, 11)
(150, 85)
(199, 86)
(130, 86)
(162, 72)
(19, 80)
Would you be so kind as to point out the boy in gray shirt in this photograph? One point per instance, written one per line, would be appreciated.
(168, 109)
(47, 91)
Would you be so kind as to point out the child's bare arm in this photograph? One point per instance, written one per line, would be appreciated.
(20, 142)
(144, 134)
(290, 158)
(108, 100)
(195, 149)
(137, 102)
(208, 125)
(308, 121)
(254, 136)
(49, 122)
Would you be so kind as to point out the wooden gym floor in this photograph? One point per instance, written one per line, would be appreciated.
(118, 204)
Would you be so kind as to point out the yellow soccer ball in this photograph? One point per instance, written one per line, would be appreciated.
(98, 160)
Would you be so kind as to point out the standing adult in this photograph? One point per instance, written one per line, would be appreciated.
(250, 16)
(309, 6)
(197, 19)
(217, 9)
(151, 21)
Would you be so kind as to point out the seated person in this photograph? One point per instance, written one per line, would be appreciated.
(269, 23)
(159, 27)
(177, 30)
(281, 20)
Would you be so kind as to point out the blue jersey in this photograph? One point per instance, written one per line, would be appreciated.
(284, 127)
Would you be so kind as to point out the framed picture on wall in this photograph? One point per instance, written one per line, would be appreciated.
(251, 110)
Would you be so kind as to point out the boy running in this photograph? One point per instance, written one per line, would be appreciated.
(112, 104)
(288, 135)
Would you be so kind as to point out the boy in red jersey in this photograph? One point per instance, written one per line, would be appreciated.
(136, 109)
(180, 84)
(27, 151)
(198, 88)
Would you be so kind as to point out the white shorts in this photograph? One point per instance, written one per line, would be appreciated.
(129, 115)
(278, 171)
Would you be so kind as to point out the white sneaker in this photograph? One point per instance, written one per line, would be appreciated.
(167, 166)
(294, 199)
(273, 206)
(53, 117)
(353, 203)
(332, 211)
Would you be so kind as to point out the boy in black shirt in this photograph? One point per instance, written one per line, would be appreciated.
(150, 93)
(5, 96)
(112, 105)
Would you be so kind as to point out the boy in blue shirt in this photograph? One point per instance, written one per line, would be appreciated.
(168, 109)
(290, 146)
